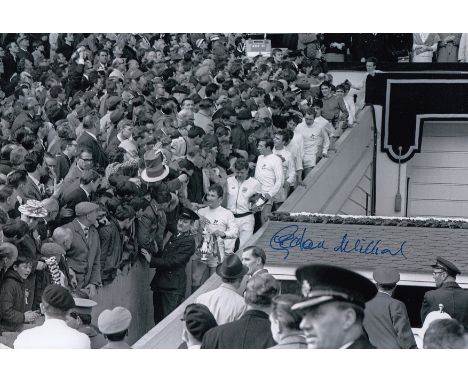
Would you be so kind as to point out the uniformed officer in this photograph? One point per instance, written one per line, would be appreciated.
(169, 282)
(448, 293)
(80, 319)
(386, 320)
(333, 307)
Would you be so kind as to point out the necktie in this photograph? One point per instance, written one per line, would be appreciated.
(86, 232)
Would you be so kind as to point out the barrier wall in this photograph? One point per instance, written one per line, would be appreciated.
(130, 290)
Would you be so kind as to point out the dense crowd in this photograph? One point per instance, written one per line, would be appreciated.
(118, 148)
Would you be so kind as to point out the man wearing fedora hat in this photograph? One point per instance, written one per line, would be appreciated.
(449, 293)
(386, 320)
(333, 307)
(225, 302)
(170, 280)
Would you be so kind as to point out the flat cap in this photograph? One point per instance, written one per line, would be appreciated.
(446, 265)
(114, 321)
(386, 276)
(322, 283)
(198, 320)
(84, 208)
(52, 249)
(58, 297)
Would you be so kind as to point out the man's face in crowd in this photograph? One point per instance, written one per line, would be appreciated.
(127, 131)
(323, 326)
(184, 225)
(72, 148)
(291, 125)
(14, 48)
(278, 140)
(340, 92)
(85, 161)
(326, 91)
(92, 217)
(188, 104)
(50, 165)
(262, 147)
(370, 67)
(439, 276)
(103, 57)
(251, 262)
(241, 175)
(213, 200)
(309, 119)
(24, 44)
(159, 90)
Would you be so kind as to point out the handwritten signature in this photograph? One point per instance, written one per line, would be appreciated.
(291, 237)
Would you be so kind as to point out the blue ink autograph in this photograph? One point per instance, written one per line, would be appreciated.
(292, 237)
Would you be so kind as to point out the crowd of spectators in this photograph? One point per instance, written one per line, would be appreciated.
(106, 138)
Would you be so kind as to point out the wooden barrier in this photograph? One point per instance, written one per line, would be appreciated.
(130, 290)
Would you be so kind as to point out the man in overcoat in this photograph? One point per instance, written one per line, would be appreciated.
(170, 280)
(252, 330)
(448, 293)
(386, 320)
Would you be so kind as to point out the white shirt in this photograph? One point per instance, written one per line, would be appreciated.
(239, 193)
(223, 220)
(52, 334)
(314, 137)
(296, 148)
(224, 303)
(269, 172)
(289, 169)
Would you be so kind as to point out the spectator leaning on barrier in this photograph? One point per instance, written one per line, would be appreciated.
(54, 333)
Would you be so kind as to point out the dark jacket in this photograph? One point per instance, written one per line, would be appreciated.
(12, 302)
(71, 199)
(170, 264)
(99, 156)
(112, 248)
(150, 227)
(251, 331)
(387, 323)
(361, 343)
(31, 191)
(454, 299)
(63, 165)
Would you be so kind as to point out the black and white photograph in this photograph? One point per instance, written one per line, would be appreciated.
(205, 190)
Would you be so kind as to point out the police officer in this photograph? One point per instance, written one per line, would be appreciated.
(333, 307)
(386, 320)
(448, 293)
(169, 282)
